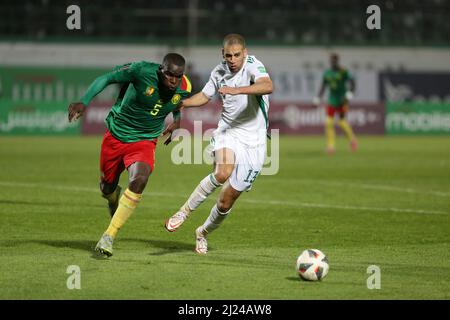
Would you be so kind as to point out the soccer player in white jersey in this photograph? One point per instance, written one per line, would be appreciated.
(239, 142)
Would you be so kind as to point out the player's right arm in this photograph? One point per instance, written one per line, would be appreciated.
(351, 86)
(201, 98)
(197, 100)
(317, 99)
(121, 74)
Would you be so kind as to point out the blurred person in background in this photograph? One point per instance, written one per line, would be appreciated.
(341, 86)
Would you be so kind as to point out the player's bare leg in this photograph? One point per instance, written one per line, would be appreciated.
(228, 195)
(139, 173)
(223, 167)
(111, 192)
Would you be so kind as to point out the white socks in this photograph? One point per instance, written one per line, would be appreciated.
(214, 220)
(207, 186)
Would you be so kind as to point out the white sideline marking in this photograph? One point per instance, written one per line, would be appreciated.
(271, 202)
(388, 188)
(337, 206)
(372, 186)
(46, 186)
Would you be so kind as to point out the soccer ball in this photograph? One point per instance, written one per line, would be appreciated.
(312, 265)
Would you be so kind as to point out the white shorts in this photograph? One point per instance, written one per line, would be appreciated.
(249, 160)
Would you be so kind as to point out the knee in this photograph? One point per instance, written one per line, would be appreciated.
(224, 206)
(137, 183)
(107, 188)
(222, 176)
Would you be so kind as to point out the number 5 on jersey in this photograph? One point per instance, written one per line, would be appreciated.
(156, 109)
(251, 176)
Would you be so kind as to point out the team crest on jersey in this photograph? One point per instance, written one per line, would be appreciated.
(175, 99)
(149, 91)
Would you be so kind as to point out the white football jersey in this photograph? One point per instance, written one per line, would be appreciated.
(243, 116)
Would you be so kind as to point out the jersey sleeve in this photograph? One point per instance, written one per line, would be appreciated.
(125, 73)
(121, 74)
(211, 87)
(257, 70)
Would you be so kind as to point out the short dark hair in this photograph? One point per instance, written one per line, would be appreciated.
(233, 38)
(174, 58)
(334, 55)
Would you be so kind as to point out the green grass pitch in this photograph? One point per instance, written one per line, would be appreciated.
(386, 205)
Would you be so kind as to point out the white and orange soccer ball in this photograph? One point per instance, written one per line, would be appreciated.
(312, 265)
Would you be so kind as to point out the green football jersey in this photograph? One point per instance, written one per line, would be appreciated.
(336, 81)
(140, 113)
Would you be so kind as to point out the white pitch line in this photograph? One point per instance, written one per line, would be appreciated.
(46, 186)
(388, 188)
(255, 201)
(64, 188)
(345, 207)
(371, 186)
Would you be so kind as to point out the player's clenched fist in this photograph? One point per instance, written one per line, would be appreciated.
(229, 90)
(76, 110)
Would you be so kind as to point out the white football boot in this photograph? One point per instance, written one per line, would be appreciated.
(175, 221)
(201, 245)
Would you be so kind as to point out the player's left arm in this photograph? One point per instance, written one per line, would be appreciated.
(262, 85)
(260, 82)
(317, 99)
(176, 124)
(351, 87)
(124, 74)
(121, 74)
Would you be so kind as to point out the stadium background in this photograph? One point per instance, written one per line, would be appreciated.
(386, 205)
(402, 71)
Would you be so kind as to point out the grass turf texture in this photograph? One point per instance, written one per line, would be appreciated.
(386, 205)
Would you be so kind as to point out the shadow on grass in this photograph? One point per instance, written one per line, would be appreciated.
(85, 245)
(166, 247)
(296, 279)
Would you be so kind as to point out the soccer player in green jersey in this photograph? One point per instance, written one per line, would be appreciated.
(150, 91)
(336, 80)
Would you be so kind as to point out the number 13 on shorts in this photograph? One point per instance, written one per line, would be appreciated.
(251, 176)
